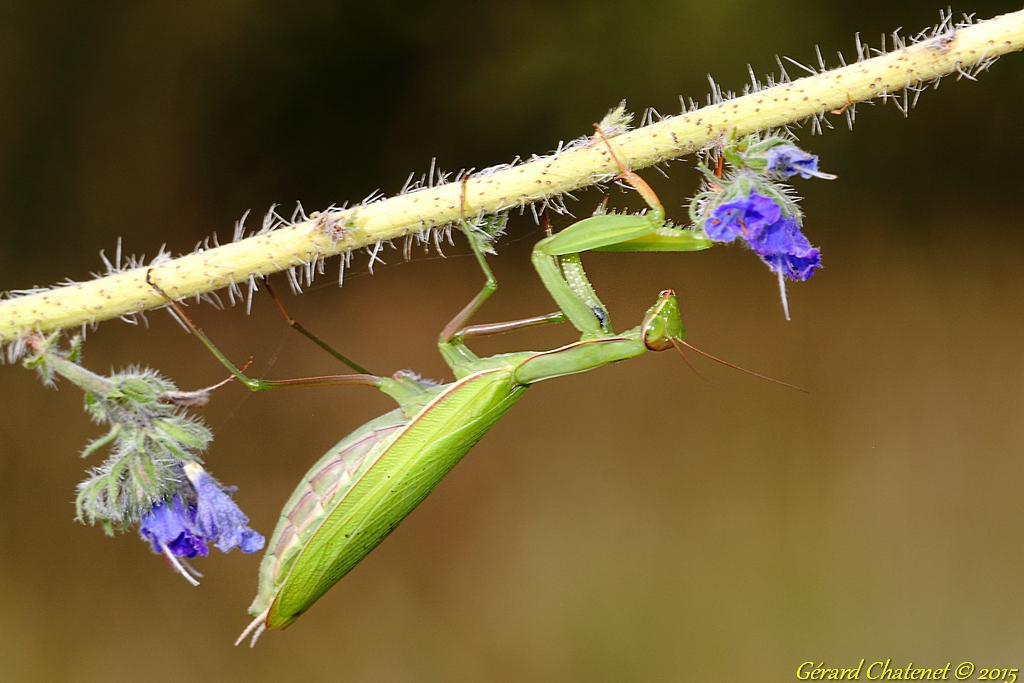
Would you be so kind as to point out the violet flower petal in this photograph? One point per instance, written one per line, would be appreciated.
(218, 517)
(794, 266)
(790, 160)
(785, 249)
(741, 218)
(174, 526)
(781, 237)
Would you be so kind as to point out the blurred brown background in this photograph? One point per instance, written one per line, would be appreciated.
(632, 524)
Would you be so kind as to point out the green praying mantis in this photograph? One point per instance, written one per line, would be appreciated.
(363, 487)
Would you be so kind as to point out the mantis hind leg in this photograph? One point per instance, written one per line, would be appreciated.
(297, 326)
(261, 384)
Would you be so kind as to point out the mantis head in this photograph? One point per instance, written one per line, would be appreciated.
(662, 328)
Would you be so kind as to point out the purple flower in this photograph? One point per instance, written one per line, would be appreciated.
(180, 529)
(781, 237)
(218, 518)
(744, 218)
(794, 267)
(171, 528)
(759, 221)
(790, 160)
(786, 251)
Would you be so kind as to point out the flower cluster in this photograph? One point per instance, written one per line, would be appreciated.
(152, 476)
(776, 238)
(751, 204)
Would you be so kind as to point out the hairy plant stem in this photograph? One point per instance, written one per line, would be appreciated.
(323, 235)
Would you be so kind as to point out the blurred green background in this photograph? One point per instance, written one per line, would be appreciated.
(635, 523)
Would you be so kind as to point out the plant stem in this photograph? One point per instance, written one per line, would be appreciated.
(964, 50)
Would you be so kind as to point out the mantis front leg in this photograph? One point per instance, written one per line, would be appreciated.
(557, 258)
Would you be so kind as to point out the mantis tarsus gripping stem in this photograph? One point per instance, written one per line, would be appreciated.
(635, 181)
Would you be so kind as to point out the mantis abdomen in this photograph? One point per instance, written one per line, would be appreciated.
(366, 485)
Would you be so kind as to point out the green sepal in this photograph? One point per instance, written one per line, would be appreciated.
(190, 434)
(140, 389)
(99, 443)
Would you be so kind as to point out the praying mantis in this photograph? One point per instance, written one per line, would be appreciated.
(363, 487)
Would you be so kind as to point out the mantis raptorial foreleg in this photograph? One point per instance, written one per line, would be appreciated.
(556, 258)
